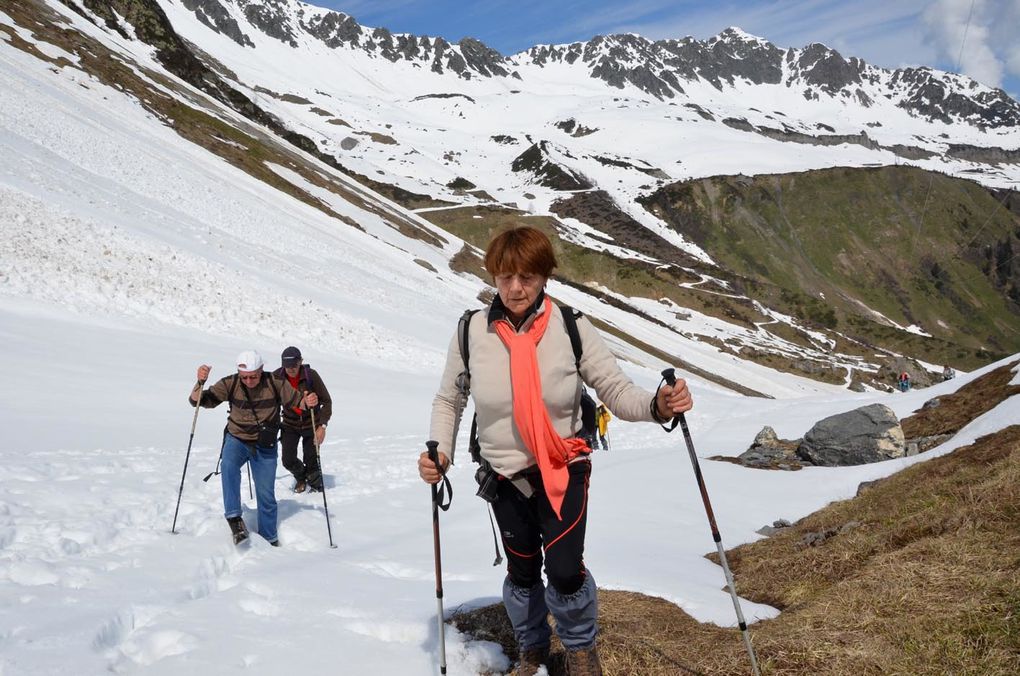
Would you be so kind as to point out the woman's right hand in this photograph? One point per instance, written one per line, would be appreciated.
(427, 469)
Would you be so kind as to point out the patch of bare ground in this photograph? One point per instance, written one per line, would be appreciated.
(919, 575)
(951, 412)
(816, 369)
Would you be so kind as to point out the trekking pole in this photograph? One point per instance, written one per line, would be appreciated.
(437, 504)
(194, 420)
(670, 377)
(250, 494)
(318, 461)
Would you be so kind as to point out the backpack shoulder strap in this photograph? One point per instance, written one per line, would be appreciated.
(463, 327)
(230, 394)
(464, 378)
(276, 392)
(570, 316)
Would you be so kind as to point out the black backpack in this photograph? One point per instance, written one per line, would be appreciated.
(588, 425)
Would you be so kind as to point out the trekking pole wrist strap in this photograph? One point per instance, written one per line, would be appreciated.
(444, 489)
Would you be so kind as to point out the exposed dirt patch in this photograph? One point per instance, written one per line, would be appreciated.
(918, 575)
(949, 413)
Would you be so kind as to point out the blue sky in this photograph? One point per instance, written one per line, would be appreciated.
(888, 33)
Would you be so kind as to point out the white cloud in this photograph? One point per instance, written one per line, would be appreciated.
(985, 46)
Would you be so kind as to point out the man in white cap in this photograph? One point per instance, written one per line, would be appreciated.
(253, 427)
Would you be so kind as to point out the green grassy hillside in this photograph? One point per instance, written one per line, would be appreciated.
(843, 244)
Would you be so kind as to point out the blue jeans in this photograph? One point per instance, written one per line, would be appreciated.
(263, 469)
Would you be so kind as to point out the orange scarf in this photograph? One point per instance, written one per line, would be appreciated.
(551, 451)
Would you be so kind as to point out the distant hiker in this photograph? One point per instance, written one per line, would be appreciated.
(253, 424)
(297, 422)
(602, 418)
(948, 373)
(904, 381)
(526, 388)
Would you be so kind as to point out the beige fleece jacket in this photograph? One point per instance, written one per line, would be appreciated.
(491, 393)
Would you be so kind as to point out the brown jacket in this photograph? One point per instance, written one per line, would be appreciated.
(489, 360)
(308, 379)
(241, 422)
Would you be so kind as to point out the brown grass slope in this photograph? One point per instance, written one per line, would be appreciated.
(920, 574)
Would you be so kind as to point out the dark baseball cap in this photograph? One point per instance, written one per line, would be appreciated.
(291, 356)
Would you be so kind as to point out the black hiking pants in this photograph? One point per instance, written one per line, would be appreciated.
(531, 531)
(302, 471)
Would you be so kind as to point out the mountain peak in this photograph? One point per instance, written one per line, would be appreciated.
(732, 33)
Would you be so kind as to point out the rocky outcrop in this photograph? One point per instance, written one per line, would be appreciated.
(867, 434)
(215, 16)
(272, 18)
(890, 371)
(936, 96)
(536, 161)
(768, 451)
(983, 155)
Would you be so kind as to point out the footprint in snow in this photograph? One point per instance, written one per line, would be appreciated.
(153, 647)
(390, 632)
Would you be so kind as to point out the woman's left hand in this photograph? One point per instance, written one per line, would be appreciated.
(673, 400)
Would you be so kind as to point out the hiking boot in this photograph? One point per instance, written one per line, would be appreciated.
(584, 662)
(275, 543)
(314, 480)
(300, 486)
(238, 529)
(530, 661)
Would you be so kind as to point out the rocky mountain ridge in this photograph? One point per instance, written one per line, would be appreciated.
(658, 68)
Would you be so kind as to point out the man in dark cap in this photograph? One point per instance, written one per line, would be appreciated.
(297, 422)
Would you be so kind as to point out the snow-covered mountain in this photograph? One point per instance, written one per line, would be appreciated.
(659, 68)
(655, 104)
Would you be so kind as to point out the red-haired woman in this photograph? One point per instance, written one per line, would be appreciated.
(527, 395)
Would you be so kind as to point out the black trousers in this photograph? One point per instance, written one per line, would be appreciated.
(309, 469)
(531, 532)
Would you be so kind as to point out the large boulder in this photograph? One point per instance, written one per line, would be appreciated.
(867, 434)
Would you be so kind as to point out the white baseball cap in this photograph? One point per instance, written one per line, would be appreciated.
(249, 360)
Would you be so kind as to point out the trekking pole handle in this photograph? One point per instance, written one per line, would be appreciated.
(442, 490)
(433, 451)
(669, 375)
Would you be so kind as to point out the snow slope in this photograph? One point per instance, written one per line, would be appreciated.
(129, 257)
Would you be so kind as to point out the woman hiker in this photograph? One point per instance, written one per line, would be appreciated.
(527, 394)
